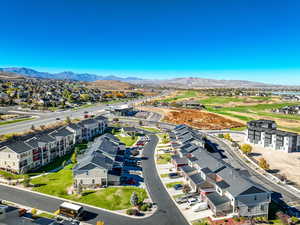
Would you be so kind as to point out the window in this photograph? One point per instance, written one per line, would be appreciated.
(255, 198)
(93, 181)
(9, 156)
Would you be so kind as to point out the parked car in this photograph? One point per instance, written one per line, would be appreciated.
(178, 187)
(199, 207)
(181, 200)
(174, 175)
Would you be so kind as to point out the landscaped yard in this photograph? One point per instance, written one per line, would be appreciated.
(170, 185)
(163, 158)
(112, 198)
(11, 176)
(128, 140)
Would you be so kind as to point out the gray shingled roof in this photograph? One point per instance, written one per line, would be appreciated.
(17, 146)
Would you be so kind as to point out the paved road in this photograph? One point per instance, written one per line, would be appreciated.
(166, 214)
(50, 117)
(280, 193)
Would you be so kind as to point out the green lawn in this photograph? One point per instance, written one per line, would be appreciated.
(151, 129)
(128, 140)
(238, 128)
(164, 138)
(163, 158)
(220, 100)
(170, 185)
(46, 215)
(164, 175)
(185, 94)
(11, 176)
(53, 165)
(14, 121)
(112, 198)
(201, 222)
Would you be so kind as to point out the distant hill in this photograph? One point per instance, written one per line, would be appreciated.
(184, 82)
(67, 75)
(195, 82)
(10, 76)
(111, 85)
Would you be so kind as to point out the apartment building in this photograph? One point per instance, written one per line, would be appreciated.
(30, 152)
(265, 133)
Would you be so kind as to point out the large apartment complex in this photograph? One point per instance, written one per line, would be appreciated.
(30, 152)
(265, 133)
(226, 190)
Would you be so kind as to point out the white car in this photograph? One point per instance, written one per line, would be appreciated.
(200, 207)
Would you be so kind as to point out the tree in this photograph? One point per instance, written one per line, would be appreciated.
(186, 189)
(263, 164)
(141, 123)
(227, 136)
(85, 97)
(134, 199)
(79, 188)
(34, 211)
(246, 149)
(26, 181)
(32, 127)
(220, 135)
(68, 120)
(74, 158)
(100, 223)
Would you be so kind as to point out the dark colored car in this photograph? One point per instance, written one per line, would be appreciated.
(178, 187)
(174, 175)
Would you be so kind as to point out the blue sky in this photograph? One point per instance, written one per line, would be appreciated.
(225, 39)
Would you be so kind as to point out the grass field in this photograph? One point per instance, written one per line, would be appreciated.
(184, 94)
(112, 198)
(215, 100)
(150, 129)
(14, 121)
(128, 140)
(260, 110)
(11, 176)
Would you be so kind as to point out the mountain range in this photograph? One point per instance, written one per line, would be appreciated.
(66, 75)
(184, 82)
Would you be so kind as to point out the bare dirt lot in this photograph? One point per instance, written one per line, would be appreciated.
(287, 164)
(200, 119)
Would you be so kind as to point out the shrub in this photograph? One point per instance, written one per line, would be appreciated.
(132, 212)
(246, 149)
(144, 207)
(220, 135)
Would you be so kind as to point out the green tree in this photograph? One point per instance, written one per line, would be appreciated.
(85, 97)
(74, 158)
(26, 181)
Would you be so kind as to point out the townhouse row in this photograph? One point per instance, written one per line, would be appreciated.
(227, 191)
(265, 133)
(31, 152)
